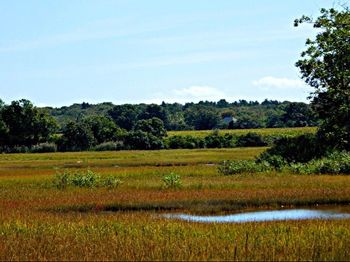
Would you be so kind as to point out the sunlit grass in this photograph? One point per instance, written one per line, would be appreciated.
(41, 222)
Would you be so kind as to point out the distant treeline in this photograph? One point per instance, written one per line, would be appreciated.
(204, 115)
(26, 128)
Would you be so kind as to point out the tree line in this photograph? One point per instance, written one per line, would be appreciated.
(24, 127)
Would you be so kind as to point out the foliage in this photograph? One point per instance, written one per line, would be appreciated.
(103, 128)
(301, 148)
(202, 118)
(22, 124)
(77, 136)
(142, 140)
(44, 148)
(242, 166)
(154, 126)
(334, 163)
(185, 142)
(172, 180)
(325, 66)
(109, 146)
(87, 179)
(125, 116)
(250, 139)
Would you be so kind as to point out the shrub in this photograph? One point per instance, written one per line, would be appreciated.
(243, 166)
(334, 163)
(44, 148)
(185, 142)
(172, 180)
(301, 148)
(251, 140)
(87, 179)
(62, 180)
(109, 146)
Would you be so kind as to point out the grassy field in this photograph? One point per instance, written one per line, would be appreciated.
(41, 222)
(262, 131)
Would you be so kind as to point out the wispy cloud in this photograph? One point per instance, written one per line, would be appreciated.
(270, 82)
(193, 93)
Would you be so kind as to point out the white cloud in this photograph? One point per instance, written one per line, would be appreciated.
(270, 82)
(194, 93)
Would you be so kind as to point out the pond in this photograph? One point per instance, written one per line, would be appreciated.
(260, 216)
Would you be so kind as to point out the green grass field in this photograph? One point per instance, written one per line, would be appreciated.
(40, 222)
(262, 131)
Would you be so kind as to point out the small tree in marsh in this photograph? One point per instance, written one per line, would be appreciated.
(325, 65)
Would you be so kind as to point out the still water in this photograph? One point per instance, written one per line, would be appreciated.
(260, 216)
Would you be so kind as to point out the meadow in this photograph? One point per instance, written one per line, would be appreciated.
(287, 131)
(39, 221)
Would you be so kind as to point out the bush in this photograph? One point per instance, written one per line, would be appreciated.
(87, 179)
(84, 179)
(44, 148)
(172, 180)
(62, 180)
(185, 142)
(335, 163)
(301, 149)
(251, 140)
(215, 140)
(243, 166)
(109, 146)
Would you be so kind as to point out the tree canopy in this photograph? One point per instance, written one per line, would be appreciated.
(325, 65)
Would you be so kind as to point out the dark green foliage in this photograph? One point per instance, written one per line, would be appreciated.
(251, 140)
(245, 122)
(295, 149)
(109, 146)
(185, 142)
(44, 148)
(335, 163)
(154, 126)
(325, 65)
(203, 118)
(77, 136)
(297, 115)
(215, 140)
(103, 128)
(22, 124)
(142, 140)
(243, 166)
(125, 116)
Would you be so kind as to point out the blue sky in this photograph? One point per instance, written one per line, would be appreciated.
(59, 52)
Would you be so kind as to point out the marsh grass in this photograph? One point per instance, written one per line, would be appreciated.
(40, 222)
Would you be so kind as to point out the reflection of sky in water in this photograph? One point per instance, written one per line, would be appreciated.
(293, 214)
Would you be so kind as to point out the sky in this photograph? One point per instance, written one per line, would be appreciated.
(61, 52)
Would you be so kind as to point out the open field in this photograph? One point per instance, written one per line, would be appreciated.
(261, 131)
(41, 222)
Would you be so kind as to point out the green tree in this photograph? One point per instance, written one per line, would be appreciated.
(154, 126)
(325, 65)
(24, 124)
(202, 118)
(77, 136)
(103, 128)
(125, 116)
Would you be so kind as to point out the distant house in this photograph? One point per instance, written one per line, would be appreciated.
(229, 119)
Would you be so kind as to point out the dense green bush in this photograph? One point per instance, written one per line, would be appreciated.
(88, 179)
(185, 142)
(335, 163)
(301, 149)
(44, 148)
(243, 166)
(172, 180)
(215, 140)
(109, 146)
(251, 140)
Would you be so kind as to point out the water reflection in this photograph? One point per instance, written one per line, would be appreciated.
(259, 216)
